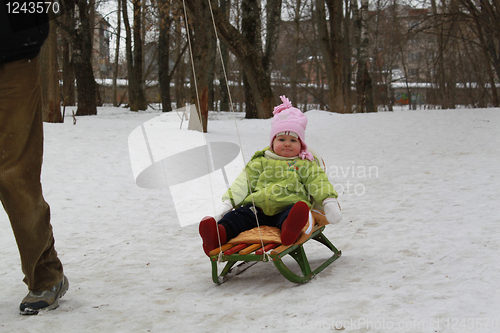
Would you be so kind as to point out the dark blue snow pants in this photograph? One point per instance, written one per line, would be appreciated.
(243, 219)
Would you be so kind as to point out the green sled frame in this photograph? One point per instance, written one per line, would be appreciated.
(295, 251)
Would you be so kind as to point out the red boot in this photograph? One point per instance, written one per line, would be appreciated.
(208, 232)
(294, 223)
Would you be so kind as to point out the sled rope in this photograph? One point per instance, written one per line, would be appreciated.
(266, 254)
(235, 124)
(208, 156)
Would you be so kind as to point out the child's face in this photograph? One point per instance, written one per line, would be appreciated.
(286, 146)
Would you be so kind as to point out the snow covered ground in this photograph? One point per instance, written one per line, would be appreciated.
(420, 236)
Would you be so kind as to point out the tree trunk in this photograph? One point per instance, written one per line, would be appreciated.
(452, 53)
(486, 43)
(258, 79)
(224, 85)
(363, 79)
(440, 62)
(51, 95)
(445, 73)
(91, 18)
(250, 107)
(212, 53)
(132, 82)
(180, 73)
(200, 23)
(117, 55)
(138, 59)
(82, 59)
(68, 93)
(331, 43)
(273, 21)
(356, 16)
(347, 56)
(296, 44)
(250, 29)
(164, 54)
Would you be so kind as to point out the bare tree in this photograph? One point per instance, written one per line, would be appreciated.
(76, 28)
(486, 18)
(165, 19)
(331, 42)
(425, 45)
(296, 40)
(82, 60)
(179, 76)
(250, 29)
(348, 52)
(138, 56)
(68, 74)
(363, 79)
(201, 34)
(250, 59)
(445, 72)
(132, 82)
(224, 93)
(136, 96)
(117, 54)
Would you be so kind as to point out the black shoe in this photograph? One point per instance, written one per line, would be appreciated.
(44, 300)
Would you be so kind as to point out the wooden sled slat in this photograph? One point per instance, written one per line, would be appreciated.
(280, 249)
(223, 248)
(235, 249)
(250, 249)
(266, 248)
(246, 259)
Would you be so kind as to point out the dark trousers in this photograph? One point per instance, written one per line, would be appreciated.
(243, 219)
(21, 150)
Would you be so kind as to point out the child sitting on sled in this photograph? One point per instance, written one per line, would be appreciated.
(281, 181)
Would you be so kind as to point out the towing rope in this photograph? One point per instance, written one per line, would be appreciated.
(266, 254)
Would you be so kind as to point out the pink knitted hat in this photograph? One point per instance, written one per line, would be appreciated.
(289, 119)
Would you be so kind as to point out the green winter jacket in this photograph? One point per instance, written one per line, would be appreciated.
(278, 182)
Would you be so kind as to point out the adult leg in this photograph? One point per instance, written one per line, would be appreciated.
(21, 150)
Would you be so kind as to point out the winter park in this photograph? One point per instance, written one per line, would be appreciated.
(266, 166)
(418, 235)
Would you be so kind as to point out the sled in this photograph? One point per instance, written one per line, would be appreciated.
(239, 257)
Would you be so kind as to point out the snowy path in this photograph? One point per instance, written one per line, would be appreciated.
(420, 236)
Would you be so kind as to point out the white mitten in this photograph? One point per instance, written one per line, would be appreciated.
(225, 208)
(332, 210)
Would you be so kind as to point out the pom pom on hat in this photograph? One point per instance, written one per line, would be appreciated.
(290, 119)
